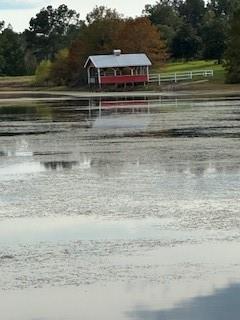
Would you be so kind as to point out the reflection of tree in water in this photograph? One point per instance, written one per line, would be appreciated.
(59, 165)
(227, 167)
(3, 154)
(84, 111)
(18, 113)
(200, 168)
(112, 164)
(107, 167)
(18, 148)
(48, 111)
(30, 111)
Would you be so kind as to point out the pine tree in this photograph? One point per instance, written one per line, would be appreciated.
(233, 50)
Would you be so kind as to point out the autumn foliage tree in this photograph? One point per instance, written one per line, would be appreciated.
(107, 31)
(96, 37)
(140, 36)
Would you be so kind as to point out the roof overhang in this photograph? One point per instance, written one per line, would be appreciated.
(119, 61)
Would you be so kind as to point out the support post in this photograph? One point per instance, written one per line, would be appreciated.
(90, 108)
(99, 78)
(89, 76)
(148, 73)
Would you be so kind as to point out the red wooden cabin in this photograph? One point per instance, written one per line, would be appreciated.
(118, 68)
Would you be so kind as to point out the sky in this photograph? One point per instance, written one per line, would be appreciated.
(19, 12)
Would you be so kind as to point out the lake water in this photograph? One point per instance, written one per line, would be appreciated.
(120, 209)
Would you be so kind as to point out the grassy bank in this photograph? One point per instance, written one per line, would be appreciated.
(217, 82)
(192, 65)
(16, 83)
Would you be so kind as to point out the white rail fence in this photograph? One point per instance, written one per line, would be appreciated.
(179, 76)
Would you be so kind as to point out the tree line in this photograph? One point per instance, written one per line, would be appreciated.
(57, 42)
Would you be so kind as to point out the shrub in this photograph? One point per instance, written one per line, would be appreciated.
(43, 73)
(59, 72)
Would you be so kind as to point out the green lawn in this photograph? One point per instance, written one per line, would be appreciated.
(17, 79)
(19, 82)
(194, 65)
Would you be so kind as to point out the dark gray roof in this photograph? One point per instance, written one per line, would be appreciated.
(123, 60)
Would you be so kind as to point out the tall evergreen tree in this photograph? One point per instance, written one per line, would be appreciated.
(52, 30)
(2, 23)
(11, 53)
(192, 11)
(233, 49)
(165, 17)
(186, 43)
(214, 34)
(223, 8)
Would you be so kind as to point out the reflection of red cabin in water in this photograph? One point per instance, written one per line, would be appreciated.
(128, 104)
(118, 68)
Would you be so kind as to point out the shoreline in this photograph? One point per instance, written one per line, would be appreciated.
(46, 95)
